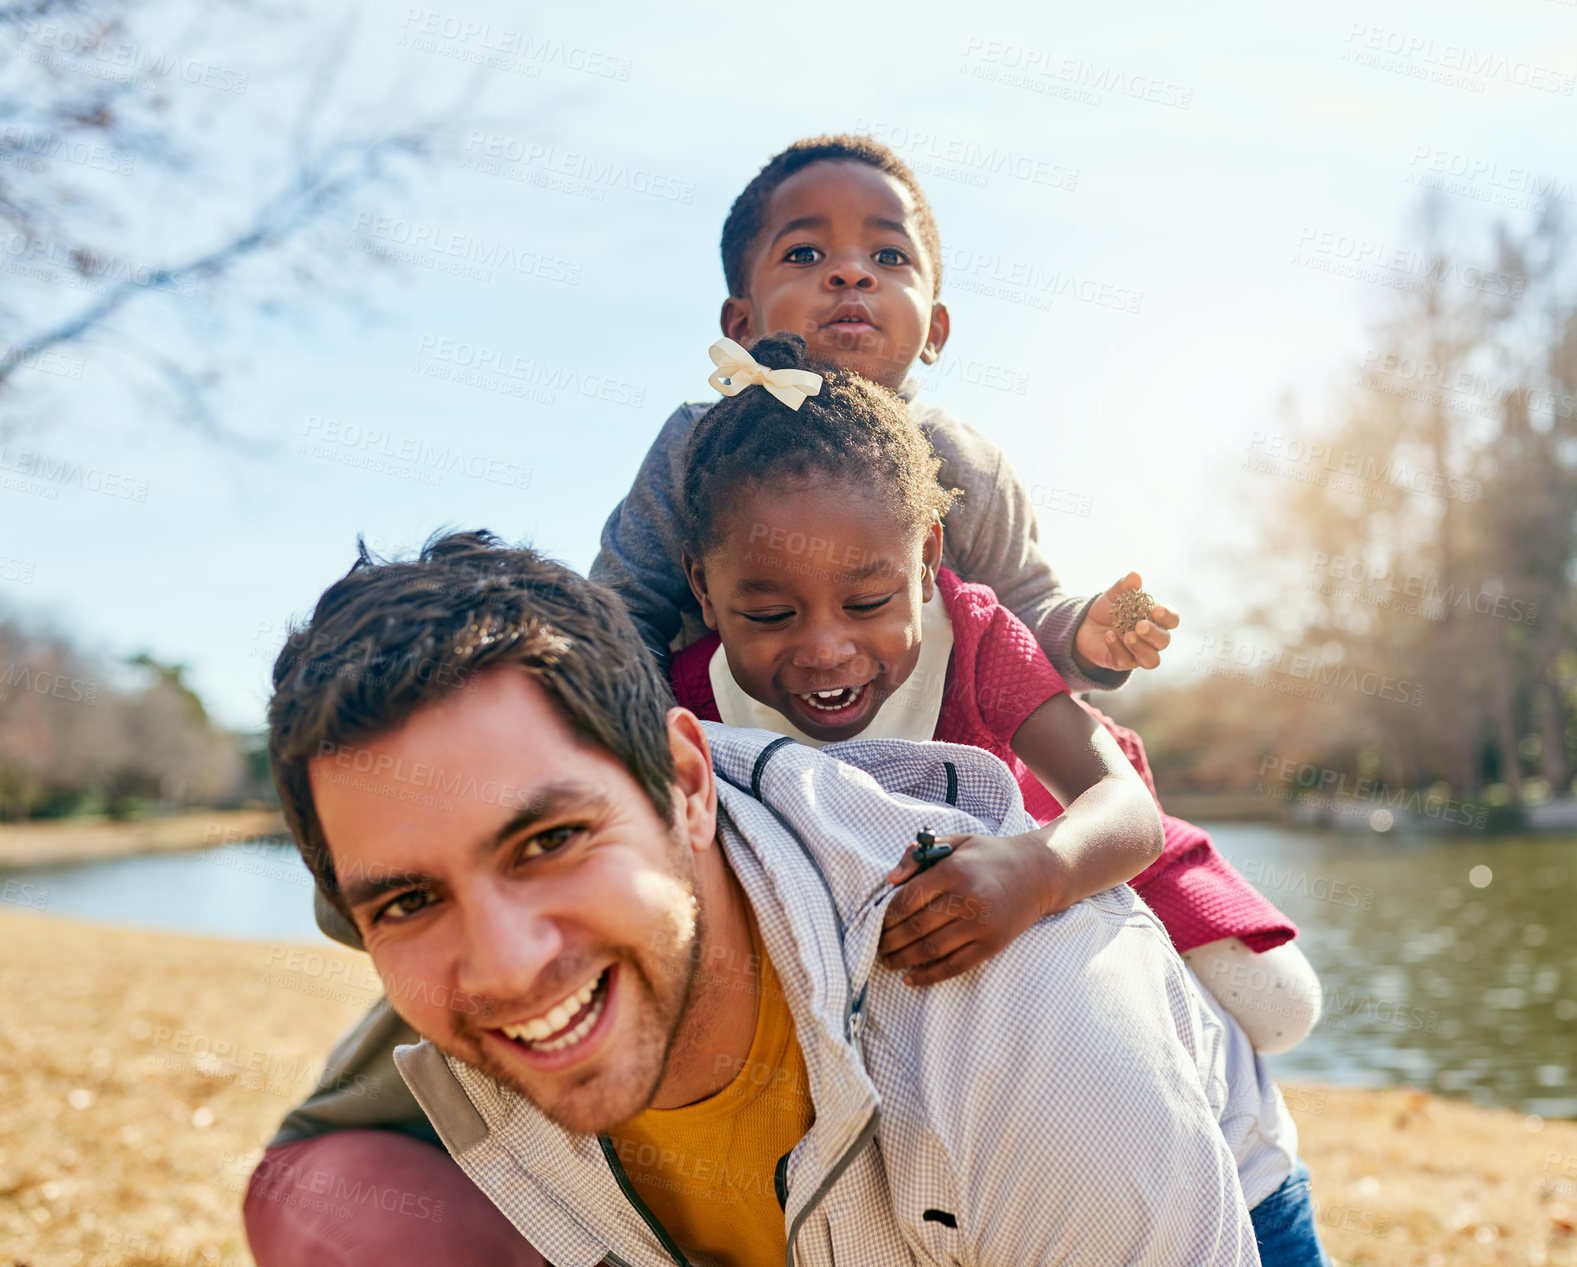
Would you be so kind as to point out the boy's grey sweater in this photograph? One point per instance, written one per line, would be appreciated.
(991, 539)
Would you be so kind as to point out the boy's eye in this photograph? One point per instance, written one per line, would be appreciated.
(801, 255)
(892, 257)
(767, 618)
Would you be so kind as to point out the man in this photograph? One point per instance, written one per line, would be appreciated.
(682, 1047)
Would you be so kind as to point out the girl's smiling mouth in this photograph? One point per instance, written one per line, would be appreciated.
(839, 707)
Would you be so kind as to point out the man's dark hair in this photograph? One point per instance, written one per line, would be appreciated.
(749, 209)
(391, 637)
(852, 429)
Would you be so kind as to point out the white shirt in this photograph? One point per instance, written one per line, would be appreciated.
(910, 712)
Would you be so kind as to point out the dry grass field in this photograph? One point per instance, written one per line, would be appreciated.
(141, 1072)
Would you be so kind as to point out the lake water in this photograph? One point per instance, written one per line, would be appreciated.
(1447, 964)
(258, 890)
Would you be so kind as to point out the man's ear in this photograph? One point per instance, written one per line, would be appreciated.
(696, 575)
(735, 321)
(936, 336)
(694, 788)
(931, 557)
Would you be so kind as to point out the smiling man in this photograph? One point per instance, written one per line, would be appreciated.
(673, 1040)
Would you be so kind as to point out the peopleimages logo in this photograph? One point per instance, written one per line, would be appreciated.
(63, 49)
(1265, 665)
(920, 145)
(568, 171)
(1405, 268)
(1022, 65)
(450, 251)
(1420, 594)
(405, 457)
(505, 48)
(1033, 284)
(1306, 461)
(524, 377)
(1370, 793)
(30, 148)
(1455, 65)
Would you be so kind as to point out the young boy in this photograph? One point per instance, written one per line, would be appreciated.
(834, 241)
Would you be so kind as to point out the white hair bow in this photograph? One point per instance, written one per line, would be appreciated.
(737, 370)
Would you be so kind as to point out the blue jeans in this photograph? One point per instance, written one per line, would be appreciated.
(1284, 1225)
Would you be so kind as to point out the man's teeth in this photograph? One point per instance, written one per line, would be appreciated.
(534, 1031)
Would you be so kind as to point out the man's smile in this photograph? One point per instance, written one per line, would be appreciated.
(569, 1030)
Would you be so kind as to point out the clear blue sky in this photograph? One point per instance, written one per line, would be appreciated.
(1182, 168)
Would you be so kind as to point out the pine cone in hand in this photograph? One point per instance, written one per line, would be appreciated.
(1129, 608)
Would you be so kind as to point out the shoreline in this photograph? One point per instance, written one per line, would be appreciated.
(143, 1072)
(69, 840)
(65, 840)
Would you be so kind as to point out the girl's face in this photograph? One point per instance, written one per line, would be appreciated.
(816, 593)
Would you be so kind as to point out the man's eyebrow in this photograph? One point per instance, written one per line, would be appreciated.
(550, 801)
(359, 892)
(798, 223)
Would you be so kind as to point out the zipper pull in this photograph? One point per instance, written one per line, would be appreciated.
(927, 853)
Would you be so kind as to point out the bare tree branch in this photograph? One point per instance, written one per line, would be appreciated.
(52, 202)
(311, 194)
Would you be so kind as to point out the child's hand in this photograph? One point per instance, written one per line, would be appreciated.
(960, 912)
(1097, 645)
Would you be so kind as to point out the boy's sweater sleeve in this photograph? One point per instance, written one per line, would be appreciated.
(643, 540)
(992, 539)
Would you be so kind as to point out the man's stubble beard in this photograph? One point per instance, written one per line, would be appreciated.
(651, 1048)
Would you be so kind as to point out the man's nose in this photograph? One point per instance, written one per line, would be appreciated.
(850, 272)
(509, 940)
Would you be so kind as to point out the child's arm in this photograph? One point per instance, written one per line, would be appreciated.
(972, 904)
(643, 540)
(992, 538)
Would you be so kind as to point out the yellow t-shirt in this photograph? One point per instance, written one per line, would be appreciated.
(707, 1170)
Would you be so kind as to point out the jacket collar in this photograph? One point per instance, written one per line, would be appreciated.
(802, 931)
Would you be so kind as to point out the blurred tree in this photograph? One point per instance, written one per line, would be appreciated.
(71, 736)
(1437, 548)
(142, 168)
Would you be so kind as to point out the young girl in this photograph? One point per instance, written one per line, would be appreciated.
(814, 539)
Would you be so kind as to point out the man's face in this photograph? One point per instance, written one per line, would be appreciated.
(839, 262)
(536, 919)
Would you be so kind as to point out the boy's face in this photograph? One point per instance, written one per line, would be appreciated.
(822, 626)
(839, 262)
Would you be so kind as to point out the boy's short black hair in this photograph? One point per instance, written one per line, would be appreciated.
(745, 216)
